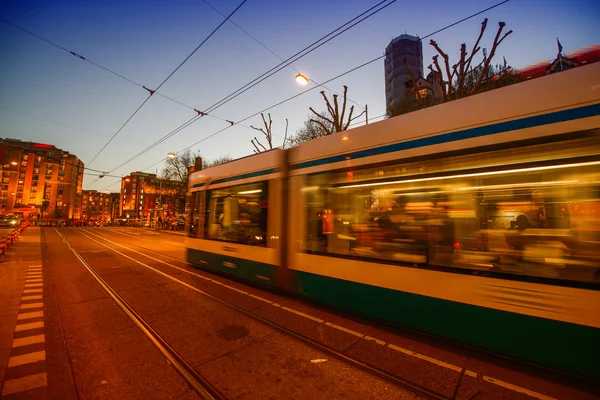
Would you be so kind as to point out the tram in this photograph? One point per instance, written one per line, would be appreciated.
(477, 220)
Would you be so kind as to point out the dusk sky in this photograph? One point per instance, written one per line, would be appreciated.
(47, 95)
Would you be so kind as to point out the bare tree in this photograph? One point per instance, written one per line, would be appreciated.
(268, 135)
(455, 81)
(310, 130)
(334, 123)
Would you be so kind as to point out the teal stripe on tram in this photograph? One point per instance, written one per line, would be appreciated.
(523, 123)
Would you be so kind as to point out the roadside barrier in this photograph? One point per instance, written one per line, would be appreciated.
(3, 246)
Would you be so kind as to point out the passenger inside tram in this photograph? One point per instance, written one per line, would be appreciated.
(533, 221)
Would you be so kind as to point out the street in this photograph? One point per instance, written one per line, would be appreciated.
(247, 342)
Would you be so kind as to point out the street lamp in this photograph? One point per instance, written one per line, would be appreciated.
(13, 163)
(301, 79)
(171, 155)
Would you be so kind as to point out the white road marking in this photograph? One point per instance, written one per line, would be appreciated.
(36, 297)
(35, 314)
(300, 313)
(26, 358)
(34, 275)
(426, 358)
(381, 342)
(32, 291)
(35, 266)
(33, 285)
(341, 328)
(518, 389)
(237, 290)
(34, 280)
(23, 384)
(31, 305)
(318, 360)
(26, 341)
(260, 298)
(29, 326)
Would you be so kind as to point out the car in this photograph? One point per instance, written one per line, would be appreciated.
(178, 224)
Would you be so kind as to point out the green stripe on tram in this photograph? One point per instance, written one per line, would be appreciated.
(246, 269)
(555, 344)
(558, 345)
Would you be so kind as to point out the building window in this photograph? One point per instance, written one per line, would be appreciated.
(23, 163)
(4, 187)
(51, 154)
(34, 183)
(5, 180)
(32, 195)
(59, 203)
(61, 178)
(20, 195)
(25, 157)
(38, 159)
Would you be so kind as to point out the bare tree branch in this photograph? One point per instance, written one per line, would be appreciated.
(349, 119)
(344, 105)
(286, 132)
(497, 42)
(321, 116)
(322, 125)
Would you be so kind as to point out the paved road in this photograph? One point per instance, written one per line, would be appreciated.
(106, 356)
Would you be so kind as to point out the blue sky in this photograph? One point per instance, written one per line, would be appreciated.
(146, 40)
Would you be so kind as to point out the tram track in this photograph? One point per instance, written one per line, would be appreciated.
(422, 391)
(196, 381)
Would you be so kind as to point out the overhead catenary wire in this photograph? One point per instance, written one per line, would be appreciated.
(272, 52)
(307, 50)
(166, 79)
(330, 80)
(334, 78)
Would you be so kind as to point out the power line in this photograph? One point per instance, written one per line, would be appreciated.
(166, 79)
(272, 52)
(269, 73)
(305, 51)
(336, 77)
(105, 69)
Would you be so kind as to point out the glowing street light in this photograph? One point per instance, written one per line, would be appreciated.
(301, 79)
(171, 155)
(13, 163)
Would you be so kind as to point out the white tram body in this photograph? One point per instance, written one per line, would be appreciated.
(477, 220)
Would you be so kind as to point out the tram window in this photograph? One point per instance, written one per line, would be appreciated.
(197, 215)
(537, 222)
(238, 214)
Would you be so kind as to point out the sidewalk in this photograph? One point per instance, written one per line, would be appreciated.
(22, 340)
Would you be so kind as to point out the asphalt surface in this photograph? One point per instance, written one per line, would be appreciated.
(93, 350)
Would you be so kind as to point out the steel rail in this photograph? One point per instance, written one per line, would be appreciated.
(196, 381)
(369, 368)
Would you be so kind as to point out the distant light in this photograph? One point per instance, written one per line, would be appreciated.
(251, 191)
(345, 138)
(13, 163)
(301, 79)
(171, 155)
